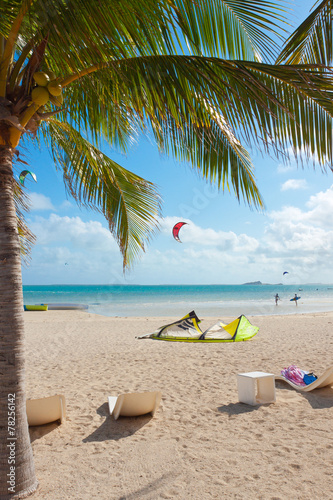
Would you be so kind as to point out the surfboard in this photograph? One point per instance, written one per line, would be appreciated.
(66, 306)
(295, 298)
(42, 307)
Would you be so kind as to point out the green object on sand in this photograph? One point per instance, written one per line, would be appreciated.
(187, 330)
(35, 307)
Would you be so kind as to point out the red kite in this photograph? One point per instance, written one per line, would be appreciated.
(176, 229)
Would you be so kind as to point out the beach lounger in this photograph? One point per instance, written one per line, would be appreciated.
(46, 410)
(326, 379)
(134, 404)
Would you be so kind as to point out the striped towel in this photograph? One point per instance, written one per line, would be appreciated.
(294, 374)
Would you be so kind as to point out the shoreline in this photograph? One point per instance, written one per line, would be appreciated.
(208, 317)
(176, 301)
(201, 440)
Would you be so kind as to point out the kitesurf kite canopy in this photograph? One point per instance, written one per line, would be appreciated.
(176, 229)
(187, 330)
(286, 272)
(23, 175)
(236, 331)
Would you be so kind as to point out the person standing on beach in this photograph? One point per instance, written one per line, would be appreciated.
(295, 299)
(277, 298)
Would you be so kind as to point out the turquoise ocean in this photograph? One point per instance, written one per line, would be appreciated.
(177, 300)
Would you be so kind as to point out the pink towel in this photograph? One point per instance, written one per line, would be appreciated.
(294, 374)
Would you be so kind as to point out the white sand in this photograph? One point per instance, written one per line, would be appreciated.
(202, 443)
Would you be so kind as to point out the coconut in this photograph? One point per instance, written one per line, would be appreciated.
(40, 96)
(57, 100)
(54, 88)
(41, 78)
(51, 75)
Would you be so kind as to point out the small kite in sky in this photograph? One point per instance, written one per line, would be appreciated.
(23, 175)
(176, 229)
(286, 272)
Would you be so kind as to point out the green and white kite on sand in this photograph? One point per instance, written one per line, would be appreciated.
(187, 330)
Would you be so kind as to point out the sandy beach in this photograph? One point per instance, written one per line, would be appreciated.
(202, 443)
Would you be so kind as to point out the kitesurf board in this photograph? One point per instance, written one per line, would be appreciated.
(66, 306)
(295, 298)
(42, 307)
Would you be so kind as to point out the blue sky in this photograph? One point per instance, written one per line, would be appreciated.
(223, 242)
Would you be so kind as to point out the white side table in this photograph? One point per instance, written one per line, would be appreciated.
(256, 388)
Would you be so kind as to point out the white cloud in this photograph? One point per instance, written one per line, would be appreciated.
(302, 240)
(299, 241)
(289, 163)
(40, 202)
(294, 184)
(319, 213)
(66, 204)
(73, 231)
(191, 234)
(69, 250)
(292, 164)
(321, 206)
(282, 168)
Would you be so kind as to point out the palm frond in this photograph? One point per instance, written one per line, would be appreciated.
(234, 29)
(130, 204)
(201, 109)
(302, 118)
(26, 237)
(100, 111)
(9, 11)
(215, 153)
(272, 107)
(84, 33)
(311, 42)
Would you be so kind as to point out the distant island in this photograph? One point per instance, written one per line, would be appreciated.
(259, 283)
(253, 283)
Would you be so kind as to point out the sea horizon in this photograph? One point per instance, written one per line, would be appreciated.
(176, 300)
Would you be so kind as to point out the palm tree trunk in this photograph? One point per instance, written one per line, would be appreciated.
(17, 473)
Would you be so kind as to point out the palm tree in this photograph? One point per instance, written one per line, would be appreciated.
(195, 74)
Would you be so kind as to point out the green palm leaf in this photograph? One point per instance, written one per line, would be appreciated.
(311, 42)
(129, 203)
(270, 106)
(226, 28)
(235, 29)
(203, 110)
(26, 237)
